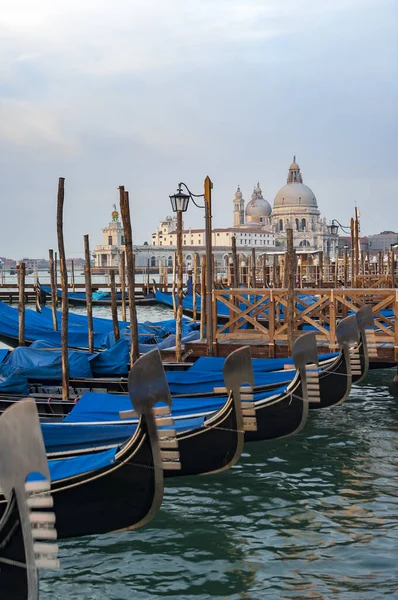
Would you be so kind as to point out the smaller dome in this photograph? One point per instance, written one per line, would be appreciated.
(258, 206)
(294, 166)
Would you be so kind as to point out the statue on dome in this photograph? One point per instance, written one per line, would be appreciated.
(115, 214)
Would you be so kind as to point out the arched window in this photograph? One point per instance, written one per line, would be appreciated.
(303, 224)
(170, 261)
(280, 225)
(304, 243)
(153, 261)
(297, 224)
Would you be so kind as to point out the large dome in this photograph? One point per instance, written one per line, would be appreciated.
(295, 194)
(258, 206)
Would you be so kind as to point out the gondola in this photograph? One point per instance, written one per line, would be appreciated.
(367, 348)
(217, 444)
(274, 415)
(80, 298)
(27, 531)
(334, 377)
(117, 489)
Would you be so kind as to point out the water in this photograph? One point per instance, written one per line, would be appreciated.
(314, 516)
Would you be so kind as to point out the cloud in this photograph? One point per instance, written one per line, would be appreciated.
(146, 92)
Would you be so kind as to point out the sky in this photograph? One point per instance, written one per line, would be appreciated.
(147, 93)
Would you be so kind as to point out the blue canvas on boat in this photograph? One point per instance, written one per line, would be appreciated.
(191, 382)
(113, 361)
(39, 327)
(64, 468)
(98, 407)
(78, 465)
(62, 437)
(42, 364)
(98, 295)
(3, 354)
(15, 383)
(216, 363)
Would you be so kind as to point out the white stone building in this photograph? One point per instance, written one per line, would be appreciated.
(108, 253)
(257, 225)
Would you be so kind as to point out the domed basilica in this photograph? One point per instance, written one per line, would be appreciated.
(295, 206)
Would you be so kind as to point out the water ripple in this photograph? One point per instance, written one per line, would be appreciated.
(314, 516)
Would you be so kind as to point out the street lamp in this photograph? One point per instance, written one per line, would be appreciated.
(179, 200)
(333, 228)
(179, 203)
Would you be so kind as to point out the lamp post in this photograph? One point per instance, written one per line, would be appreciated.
(179, 203)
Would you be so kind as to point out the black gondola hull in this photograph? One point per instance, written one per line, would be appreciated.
(13, 577)
(111, 499)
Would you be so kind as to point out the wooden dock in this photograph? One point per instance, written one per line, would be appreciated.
(256, 318)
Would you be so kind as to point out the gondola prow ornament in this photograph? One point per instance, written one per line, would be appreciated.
(27, 531)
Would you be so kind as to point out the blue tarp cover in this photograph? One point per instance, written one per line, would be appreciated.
(60, 437)
(38, 326)
(3, 354)
(206, 364)
(94, 406)
(16, 383)
(112, 361)
(44, 364)
(71, 467)
(191, 382)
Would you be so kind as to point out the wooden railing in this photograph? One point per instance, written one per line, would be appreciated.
(259, 314)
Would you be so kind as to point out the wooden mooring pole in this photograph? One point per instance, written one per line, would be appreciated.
(114, 306)
(264, 266)
(21, 304)
(128, 237)
(289, 269)
(275, 278)
(56, 277)
(202, 297)
(173, 285)
(195, 281)
(179, 287)
(122, 277)
(235, 276)
(73, 275)
(53, 289)
(64, 288)
(253, 266)
(89, 293)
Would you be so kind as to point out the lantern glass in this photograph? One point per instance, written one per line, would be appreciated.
(179, 201)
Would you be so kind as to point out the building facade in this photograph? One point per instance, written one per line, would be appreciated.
(256, 225)
(382, 241)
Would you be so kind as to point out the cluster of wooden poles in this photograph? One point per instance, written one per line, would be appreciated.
(127, 262)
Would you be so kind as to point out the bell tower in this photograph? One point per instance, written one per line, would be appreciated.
(239, 209)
